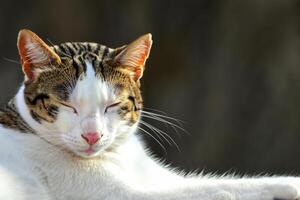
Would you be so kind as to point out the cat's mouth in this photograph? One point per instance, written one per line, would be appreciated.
(90, 150)
(88, 153)
(93, 151)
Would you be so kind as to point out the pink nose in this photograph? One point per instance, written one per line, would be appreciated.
(91, 137)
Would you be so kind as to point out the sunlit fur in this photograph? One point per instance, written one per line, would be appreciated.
(90, 97)
(74, 88)
(78, 88)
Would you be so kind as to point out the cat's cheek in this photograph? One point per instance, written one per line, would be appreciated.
(110, 118)
(65, 121)
(107, 130)
(124, 129)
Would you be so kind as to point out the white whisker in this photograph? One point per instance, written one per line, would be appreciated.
(157, 118)
(160, 144)
(163, 134)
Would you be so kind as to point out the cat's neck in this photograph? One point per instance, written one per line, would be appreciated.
(11, 118)
(24, 113)
(16, 116)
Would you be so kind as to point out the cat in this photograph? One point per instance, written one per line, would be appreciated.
(70, 133)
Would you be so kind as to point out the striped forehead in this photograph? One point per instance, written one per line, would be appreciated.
(91, 91)
(71, 49)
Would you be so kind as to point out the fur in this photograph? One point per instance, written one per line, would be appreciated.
(95, 89)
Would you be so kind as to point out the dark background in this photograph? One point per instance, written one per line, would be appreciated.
(229, 69)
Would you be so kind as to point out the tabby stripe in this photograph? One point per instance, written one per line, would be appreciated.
(89, 48)
(52, 111)
(65, 50)
(17, 117)
(39, 117)
(94, 64)
(82, 63)
(97, 49)
(84, 57)
(38, 97)
(76, 66)
(81, 47)
(11, 109)
(94, 60)
(132, 99)
(71, 48)
(102, 70)
(105, 52)
(75, 46)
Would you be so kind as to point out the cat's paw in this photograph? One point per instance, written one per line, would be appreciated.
(295, 182)
(284, 191)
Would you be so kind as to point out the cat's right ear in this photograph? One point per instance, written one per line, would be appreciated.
(35, 54)
(131, 58)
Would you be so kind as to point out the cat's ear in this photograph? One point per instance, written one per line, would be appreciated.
(35, 54)
(132, 58)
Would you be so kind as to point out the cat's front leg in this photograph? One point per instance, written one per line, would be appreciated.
(228, 191)
(234, 189)
(203, 188)
(281, 188)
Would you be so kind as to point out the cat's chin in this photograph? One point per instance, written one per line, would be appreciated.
(89, 153)
(88, 156)
(83, 155)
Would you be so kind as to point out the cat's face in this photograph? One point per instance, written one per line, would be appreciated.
(83, 97)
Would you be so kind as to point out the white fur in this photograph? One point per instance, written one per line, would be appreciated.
(35, 53)
(32, 168)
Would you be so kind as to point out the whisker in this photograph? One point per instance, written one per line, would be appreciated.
(180, 122)
(157, 118)
(160, 137)
(11, 60)
(160, 144)
(162, 133)
(161, 120)
(156, 110)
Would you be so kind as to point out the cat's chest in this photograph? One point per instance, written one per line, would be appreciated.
(65, 178)
(75, 186)
(67, 181)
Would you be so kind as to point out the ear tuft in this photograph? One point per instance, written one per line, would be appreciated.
(35, 53)
(133, 57)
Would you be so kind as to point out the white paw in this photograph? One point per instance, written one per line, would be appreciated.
(283, 191)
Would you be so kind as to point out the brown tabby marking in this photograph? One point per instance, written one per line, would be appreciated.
(10, 118)
(51, 73)
(44, 94)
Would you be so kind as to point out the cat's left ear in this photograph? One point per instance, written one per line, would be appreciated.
(35, 54)
(132, 58)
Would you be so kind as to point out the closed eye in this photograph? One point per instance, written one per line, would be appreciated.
(69, 107)
(111, 106)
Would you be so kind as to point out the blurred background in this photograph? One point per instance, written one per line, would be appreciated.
(229, 69)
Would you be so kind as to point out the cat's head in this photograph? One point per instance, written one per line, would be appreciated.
(84, 97)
